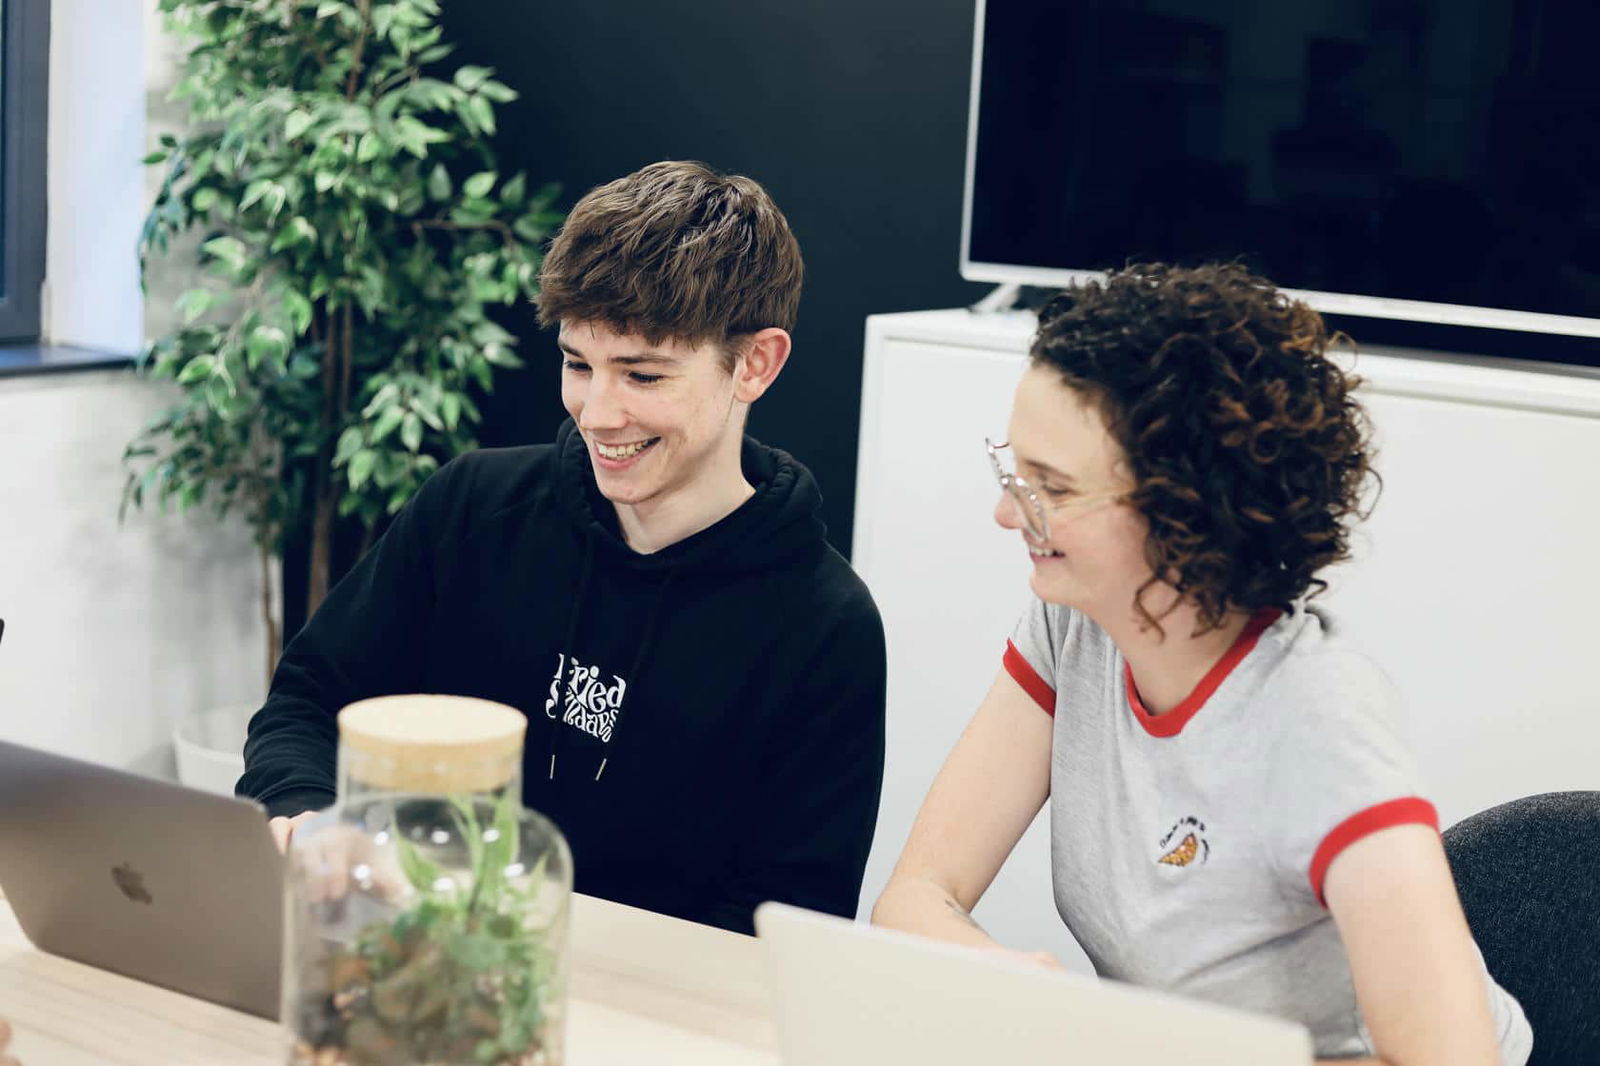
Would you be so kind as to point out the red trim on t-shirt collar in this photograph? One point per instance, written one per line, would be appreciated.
(1023, 673)
(1172, 723)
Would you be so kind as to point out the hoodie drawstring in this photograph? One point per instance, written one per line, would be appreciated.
(638, 661)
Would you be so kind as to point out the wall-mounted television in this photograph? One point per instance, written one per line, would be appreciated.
(1436, 161)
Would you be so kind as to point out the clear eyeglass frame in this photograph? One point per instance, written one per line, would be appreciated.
(1034, 511)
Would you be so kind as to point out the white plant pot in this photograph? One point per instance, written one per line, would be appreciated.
(210, 747)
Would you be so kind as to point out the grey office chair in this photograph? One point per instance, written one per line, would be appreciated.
(1528, 873)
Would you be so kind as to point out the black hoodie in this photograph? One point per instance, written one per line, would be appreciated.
(705, 723)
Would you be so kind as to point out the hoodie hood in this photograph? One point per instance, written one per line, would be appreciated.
(777, 523)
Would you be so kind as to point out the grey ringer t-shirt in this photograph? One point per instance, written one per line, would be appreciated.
(1188, 849)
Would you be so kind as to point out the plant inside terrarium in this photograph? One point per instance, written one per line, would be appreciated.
(461, 974)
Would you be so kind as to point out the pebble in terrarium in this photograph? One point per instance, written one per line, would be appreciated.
(426, 920)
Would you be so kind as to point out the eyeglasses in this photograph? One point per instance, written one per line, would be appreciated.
(1035, 512)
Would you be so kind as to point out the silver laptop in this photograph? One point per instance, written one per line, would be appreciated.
(846, 994)
(149, 879)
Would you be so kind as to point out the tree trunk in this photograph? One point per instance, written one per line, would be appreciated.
(322, 496)
(337, 370)
(321, 544)
(269, 617)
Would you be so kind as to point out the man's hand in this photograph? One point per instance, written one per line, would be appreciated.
(5, 1042)
(282, 832)
(332, 860)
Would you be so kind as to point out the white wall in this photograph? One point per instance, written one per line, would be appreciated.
(111, 632)
(95, 182)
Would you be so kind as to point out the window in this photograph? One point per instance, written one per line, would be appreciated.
(24, 55)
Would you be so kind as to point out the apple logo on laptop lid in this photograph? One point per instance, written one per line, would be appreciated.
(130, 883)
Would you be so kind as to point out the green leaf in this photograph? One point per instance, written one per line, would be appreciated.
(230, 250)
(383, 20)
(361, 465)
(299, 310)
(386, 424)
(478, 186)
(154, 158)
(466, 819)
(203, 200)
(450, 408)
(253, 192)
(469, 77)
(199, 368)
(500, 355)
(386, 396)
(426, 408)
(266, 342)
(368, 148)
(529, 228)
(439, 186)
(350, 442)
(422, 873)
(481, 371)
(513, 191)
(194, 303)
(415, 135)
(274, 198)
(391, 467)
(498, 855)
(298, 231)
(481, 113)
(411, 431)
(498, 92)
(323, 180)
(296, 124)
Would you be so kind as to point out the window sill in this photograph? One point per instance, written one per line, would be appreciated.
(35, 359)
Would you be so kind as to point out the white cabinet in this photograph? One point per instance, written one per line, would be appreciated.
(1474, 583)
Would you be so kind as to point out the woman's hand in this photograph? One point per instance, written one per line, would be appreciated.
(988, 792)
(5, 1044)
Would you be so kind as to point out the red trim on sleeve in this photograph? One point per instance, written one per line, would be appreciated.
(1023, 673)
(1408, 810)
(1172, 722)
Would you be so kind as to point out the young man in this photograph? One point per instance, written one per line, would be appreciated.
(703, 675)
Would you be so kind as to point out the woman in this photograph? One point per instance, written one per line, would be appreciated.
(1234, 814)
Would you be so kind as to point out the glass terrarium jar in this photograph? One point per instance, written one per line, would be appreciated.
(426, 910)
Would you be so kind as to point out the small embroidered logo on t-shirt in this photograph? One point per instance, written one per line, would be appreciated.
(1190, 834)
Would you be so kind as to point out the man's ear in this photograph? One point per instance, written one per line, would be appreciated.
(761, 358)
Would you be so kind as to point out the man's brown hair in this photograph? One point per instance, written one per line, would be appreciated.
(675, 250)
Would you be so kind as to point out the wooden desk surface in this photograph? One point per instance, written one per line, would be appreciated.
(644, 989)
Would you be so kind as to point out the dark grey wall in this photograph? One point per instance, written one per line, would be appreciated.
(852, 113)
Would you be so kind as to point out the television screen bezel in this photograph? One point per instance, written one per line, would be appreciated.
(1328, 302)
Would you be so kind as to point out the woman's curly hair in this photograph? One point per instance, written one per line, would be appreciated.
(1248, 450)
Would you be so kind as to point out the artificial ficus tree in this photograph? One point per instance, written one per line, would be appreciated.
(355, 229)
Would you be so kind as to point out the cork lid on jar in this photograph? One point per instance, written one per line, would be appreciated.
(431, 743)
